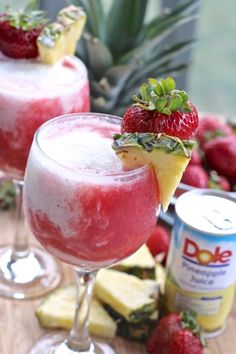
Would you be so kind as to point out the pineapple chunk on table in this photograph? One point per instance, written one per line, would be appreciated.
(126, 294)
(141, 264)
(57, 311)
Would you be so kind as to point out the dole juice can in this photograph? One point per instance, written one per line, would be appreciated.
(201, 264)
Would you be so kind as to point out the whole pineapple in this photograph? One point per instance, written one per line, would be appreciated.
(121, 50)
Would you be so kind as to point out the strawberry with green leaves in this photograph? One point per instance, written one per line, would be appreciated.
(176, 334)
(19, 31)
(161, 108)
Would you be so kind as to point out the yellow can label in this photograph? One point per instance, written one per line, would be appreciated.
(201, 275)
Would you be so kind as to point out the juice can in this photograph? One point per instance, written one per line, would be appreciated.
(201, 264)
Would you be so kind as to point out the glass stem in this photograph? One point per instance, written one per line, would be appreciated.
(79, 339)
(21, 241)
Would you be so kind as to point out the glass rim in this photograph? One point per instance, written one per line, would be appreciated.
(121, 175)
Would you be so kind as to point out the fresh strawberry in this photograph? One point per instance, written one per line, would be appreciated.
(137, 118)
(195, 176)
(221, 155)
(180, 124)
(185, 342)
(160, 340)
(195, 158)
(211, 126)
(162, 109)
(16, 43)
(176, 334)
(19, 32)
(159, 241)
(218, 182)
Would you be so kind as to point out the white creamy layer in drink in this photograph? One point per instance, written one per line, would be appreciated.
(82, 147)
(29, 77)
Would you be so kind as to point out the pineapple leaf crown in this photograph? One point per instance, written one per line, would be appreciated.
(28, 18)
(188, 321)
(162, 96)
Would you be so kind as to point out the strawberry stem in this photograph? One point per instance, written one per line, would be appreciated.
(30, 17)
(188, 321)
(162, 96)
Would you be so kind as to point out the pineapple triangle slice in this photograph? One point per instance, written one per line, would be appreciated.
(57, 311)
(168, 155)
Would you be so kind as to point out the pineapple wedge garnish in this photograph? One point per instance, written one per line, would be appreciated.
(169, 156)
(57, 311)
(60, 38)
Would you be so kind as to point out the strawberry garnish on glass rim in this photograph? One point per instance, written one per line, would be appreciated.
(19, 31)
(156, 130)
(161, 108)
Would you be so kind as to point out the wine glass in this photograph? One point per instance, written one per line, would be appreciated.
(31, 93)
(85, 209)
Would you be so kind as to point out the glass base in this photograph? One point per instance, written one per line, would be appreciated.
(29, 276)
(56, 344)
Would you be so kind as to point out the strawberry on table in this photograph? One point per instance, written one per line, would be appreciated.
(176, 334)
(19, 31)
(219, 182)
(159, 241)
(195, 158)
(195, 176)
(211, 126)
(221, 155)
(162, 109)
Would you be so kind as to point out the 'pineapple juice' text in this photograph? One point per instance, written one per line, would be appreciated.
(201, 262)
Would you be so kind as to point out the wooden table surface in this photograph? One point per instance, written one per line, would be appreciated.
(19, 328)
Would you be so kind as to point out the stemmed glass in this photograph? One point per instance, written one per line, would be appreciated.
(30, 94)
(85, 210)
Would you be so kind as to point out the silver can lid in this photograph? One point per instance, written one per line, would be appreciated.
(208, 211)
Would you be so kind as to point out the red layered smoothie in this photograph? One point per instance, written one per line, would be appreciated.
(80, 203)
(31, 93)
